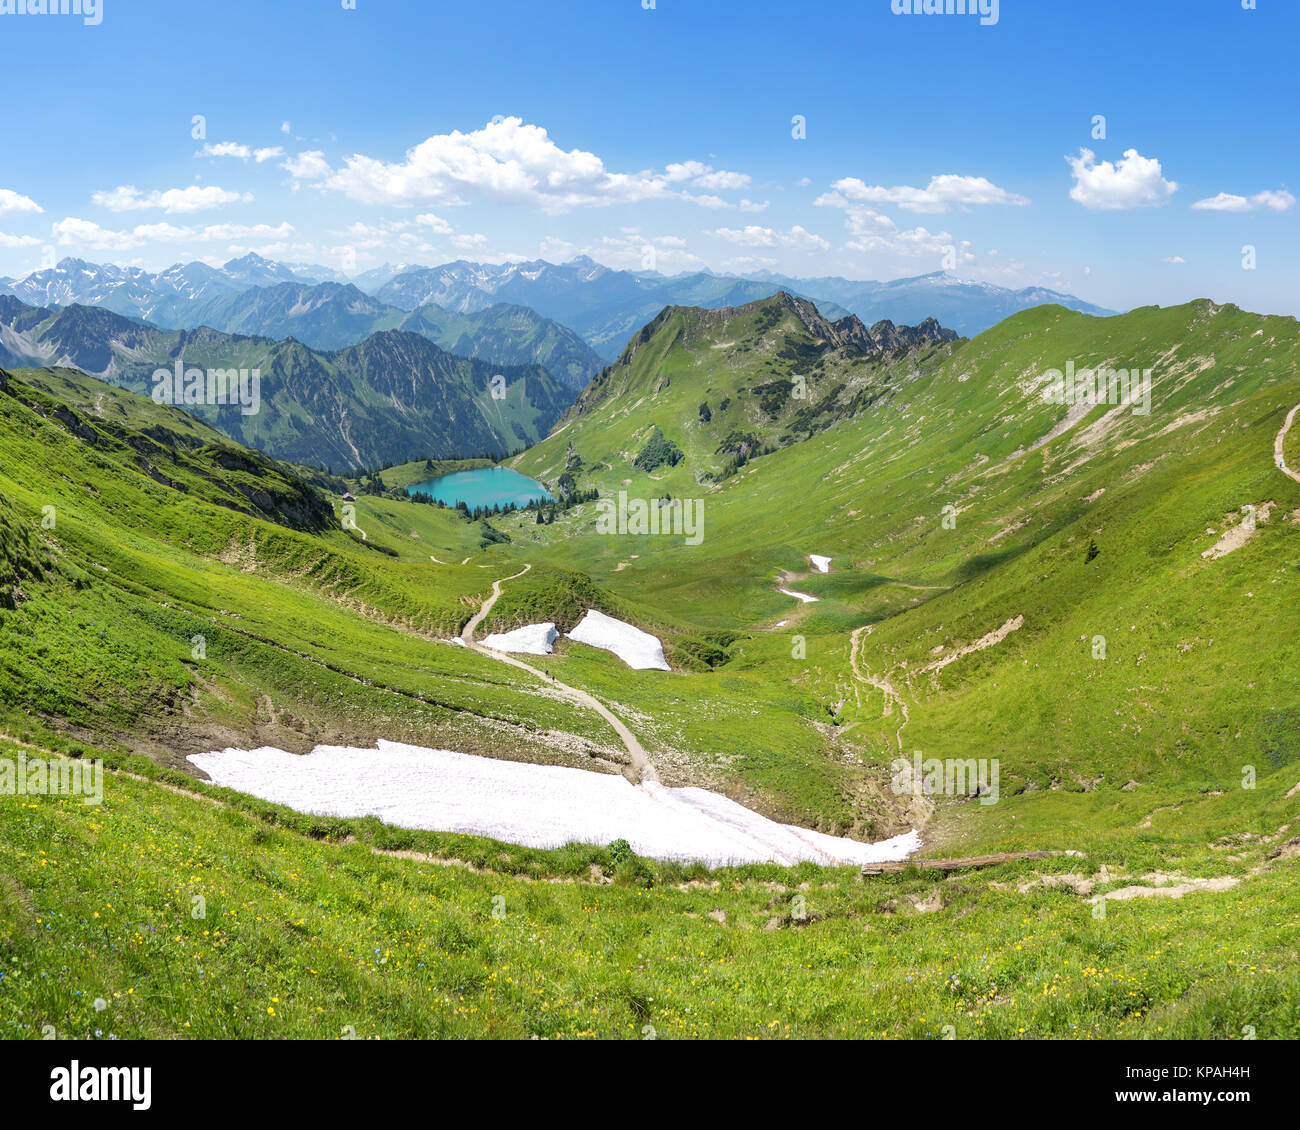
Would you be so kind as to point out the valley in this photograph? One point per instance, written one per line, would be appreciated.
(897, 559)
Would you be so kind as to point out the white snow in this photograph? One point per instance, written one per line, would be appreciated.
(639, 650)
(541, 806)
(823, 564)
(803, 596)
(534, 639)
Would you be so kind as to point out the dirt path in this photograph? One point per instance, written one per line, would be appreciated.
(468, 634)
(883, 685)
(1281, 439)
(639, 770)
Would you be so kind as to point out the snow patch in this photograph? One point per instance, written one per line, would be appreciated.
(534, 639)
(803, 596)
(639, 650)
(542, 806)
(822, 564)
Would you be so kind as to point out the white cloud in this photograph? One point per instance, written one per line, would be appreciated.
(12, 202)
(1166, 259)
(225, 149)
(285, 127)
(87, 233)
(721, 181)
(1274, 201)
(309, 166)
(221, 232)
(685, 170)
(434, 223)
(194, 198)
(875, 233)
(240, 151)
(942, 194)
(755, 236)
(18, 240)
(1133, 182)
(507, 161)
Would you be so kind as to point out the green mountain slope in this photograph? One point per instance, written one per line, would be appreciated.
(394, 397)
(196, 592)
(1096, 610)
(511, 335)
(985, 624)
(726, 385)
(334, 316)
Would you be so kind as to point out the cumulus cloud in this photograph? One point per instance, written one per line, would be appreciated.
(1170, 259)
(433, 223)
(1132, 182)
(12, 203)
(755, 236)
(942, 194)
(87, 233)
(194, 198)
(308, 166)
(876, 233)
(7, 240)
(240, 151)
(1273, 201)
(720, 181)
(507, 161)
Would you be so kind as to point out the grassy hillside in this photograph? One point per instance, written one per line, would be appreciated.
(1198, 673)
(207, 595)
(1101, 599)
(392, 397)
(185, 918)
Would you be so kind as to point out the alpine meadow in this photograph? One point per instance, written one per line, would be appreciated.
(484, 560)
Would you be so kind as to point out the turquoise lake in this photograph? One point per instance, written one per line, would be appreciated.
(487, 486)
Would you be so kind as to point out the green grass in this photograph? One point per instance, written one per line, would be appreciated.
(303, 938)
(1140, 756)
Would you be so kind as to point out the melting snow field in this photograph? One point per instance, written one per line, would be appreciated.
(803, 596)
(638, 649)
(822, 564)
(537, 805)
(534, 639)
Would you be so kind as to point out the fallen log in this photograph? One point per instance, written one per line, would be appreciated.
(897, 866)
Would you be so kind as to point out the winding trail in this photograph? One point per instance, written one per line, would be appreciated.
(639, 770)
(1281, 439)
(693, 809)
(883, 685)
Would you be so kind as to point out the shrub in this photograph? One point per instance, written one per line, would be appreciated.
(657, 451)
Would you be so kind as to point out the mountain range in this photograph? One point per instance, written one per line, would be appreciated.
(605, 307)
(394, 396)
(1096, 599)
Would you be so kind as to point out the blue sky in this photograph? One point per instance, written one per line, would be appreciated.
(424, 132)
